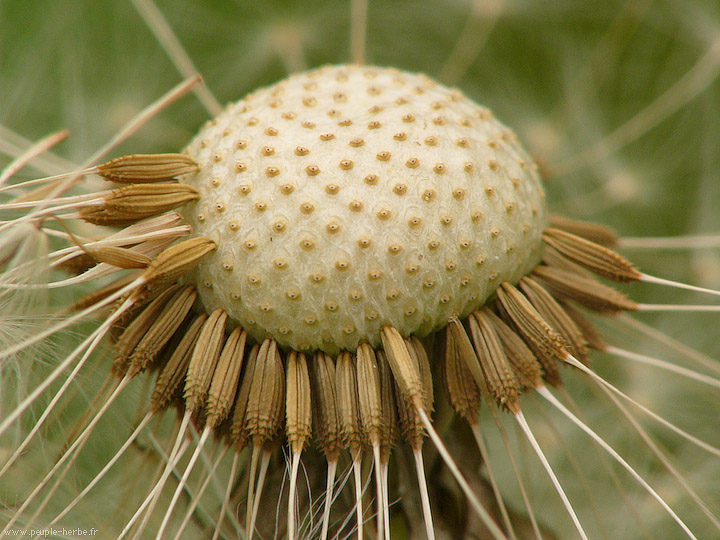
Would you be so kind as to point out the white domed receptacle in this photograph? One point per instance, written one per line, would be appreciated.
(348, 198)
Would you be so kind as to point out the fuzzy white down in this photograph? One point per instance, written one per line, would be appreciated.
(449, 201)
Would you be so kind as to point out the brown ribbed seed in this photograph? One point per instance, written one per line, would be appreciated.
(502, 383)
(238, 430)
(410, 428)
(419, 355)
(404, 369)
(585, 291)
(325, 405)
(266, 402)
(170, 264)
(204, 360)
(173, 374)
(388, 433)
(458, 343)
(591, 335)
(298, 407)
(523, 361)
(555, 316)
(600, 234)
(368, 382)
(145, 168)
(351, 435)
(411, 425)
(119, 257)
(552, 257)
(226, 378)
(138, 328)
(596, 258)
(131, 203)
(96, 296)
(548, 345)
(462, 390)
(163, 328)
(75, 266)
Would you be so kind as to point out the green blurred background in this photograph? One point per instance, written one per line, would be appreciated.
(618, 100)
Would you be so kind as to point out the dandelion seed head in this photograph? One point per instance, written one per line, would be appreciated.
(355, 155)
(305, 212)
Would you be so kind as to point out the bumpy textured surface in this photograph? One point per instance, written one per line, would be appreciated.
(348, 198)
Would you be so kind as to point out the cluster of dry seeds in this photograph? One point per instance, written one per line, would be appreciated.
(339, 217)
(256, 395)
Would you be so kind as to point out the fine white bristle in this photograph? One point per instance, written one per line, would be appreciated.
(198, 496)
(104, 470)
(478, 508)
(38, 148)
(544, 392)
(561, 492)
(181, 484)
(329, 495)
(696, 441)
(180, 446)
